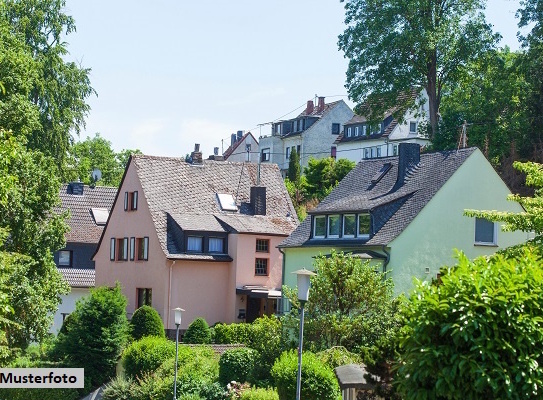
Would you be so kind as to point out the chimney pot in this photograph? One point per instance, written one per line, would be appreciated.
(215, 151)
(310, 107)
(232, 139)
(320, 107)
(240, 135)
(196, 147)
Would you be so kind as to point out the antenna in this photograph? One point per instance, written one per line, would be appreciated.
(463, 139)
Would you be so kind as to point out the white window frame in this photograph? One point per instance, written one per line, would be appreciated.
(367, 153)
(112, 252)
(362, 235)
(69, 253)
(494, 241)
(349, 131)
(378, 151)
(411, 123)
(356, 130)
(132, 248)
(355, 221)
(330, 235)
(145, 255)
(265, 154)
(288, 153)
(364, 130)
(315, 226)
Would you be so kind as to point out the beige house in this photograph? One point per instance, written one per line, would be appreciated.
(201, 236)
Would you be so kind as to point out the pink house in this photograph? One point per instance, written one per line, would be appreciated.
(197, 235)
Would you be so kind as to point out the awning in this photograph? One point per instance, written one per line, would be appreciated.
(259, 292)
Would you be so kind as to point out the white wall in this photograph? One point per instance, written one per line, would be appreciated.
(67, 306)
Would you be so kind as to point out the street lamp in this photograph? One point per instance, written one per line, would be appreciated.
(177, 320)
(303, 276)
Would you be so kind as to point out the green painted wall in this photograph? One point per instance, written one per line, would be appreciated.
(441, 226)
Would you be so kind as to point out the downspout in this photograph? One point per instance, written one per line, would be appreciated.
(282, 277)
(170, 295)
(387, 260)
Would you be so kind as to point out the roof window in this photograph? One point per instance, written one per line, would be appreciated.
(100, 215)
(227, 202)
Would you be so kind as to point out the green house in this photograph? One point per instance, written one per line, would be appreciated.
(405, 215)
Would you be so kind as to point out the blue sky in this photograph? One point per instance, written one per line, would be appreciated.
(173, 73)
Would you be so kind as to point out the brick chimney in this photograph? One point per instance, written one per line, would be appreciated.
(320, 106)
(310, 107)
(232, 139)
(258, 199)
(408, 159)
(196, 154)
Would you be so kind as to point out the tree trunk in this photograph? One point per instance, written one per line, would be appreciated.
(431, 90)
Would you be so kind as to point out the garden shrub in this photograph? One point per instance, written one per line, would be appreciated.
(119, 388)
(232, 333)
(146, 322)
(338, 355)
(146, 355)
(198, 332)
(318, 380)
(237, 365)
(259, 394)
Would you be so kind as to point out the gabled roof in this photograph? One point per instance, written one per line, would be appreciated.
(393, 206)
(183, 196)
(233, 147)
(84, 228)
(327, 108)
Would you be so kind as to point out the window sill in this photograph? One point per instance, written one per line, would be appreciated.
(485, 244)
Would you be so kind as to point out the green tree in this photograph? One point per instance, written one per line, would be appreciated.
(28, 194)
(294, 168)
(324, 174)
(94, 153)
(476, 334)
(96, 334)
(58, 89)
(394, 47)
(198, 332)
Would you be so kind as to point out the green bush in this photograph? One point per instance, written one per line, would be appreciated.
(232, 333)
(259, 394)
(146, 355)
(198, 332)
(318, 380)
(237, 365)
(477, 334)
(96, 334)
(337, 356)
(119, 389)
(146, 322)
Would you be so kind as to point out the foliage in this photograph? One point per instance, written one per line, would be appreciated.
(259, 394)
(337, 356)
(198, 332)
(237, 365)
(96, 334)
(146, 355)
(294, 168)
(324, 174)
(146, 322)
(428, 48)
(318, 380)
(477, 333)
(119, 388)
(232, 333)
(31, 232)
(94, 153)
(297, 195)
(528, 220)
(350, 304)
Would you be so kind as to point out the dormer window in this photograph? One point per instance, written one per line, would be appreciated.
(195, 244)
(342, 226)
(349, 225)
(216, 245)
(349, 131)
(364, 225)
(356, 131)
(320, 226)
(333, 226)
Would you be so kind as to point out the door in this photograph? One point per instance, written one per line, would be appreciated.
(253, 308)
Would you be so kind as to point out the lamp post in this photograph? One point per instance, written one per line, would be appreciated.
(177, 320)
(303, 276)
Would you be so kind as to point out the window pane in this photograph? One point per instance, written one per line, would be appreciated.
(349, 225)
(65, 258)
(262, 245)
(484, 231)
(194, 243)
(333, 225)
(320, 226)
(261, 266)
(364, 225)
(132, 248)
(216, 245)
(112, 249)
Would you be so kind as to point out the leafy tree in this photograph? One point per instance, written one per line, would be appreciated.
(146, 322)
(28, 193)
(198, 332)
(324, 174)
(394, 47)
(294, 168)
(476, 334)
(96, 334)
(350, 304)
(94, 153)
(58, 89)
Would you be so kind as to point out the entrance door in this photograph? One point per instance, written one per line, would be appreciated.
(253, 308)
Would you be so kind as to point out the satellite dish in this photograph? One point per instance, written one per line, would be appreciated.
(96, 174)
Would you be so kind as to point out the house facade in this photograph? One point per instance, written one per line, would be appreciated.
(202, 236)
(312, 134)
(243, 148)
(89, 209)
(361, 140)
(405, 215)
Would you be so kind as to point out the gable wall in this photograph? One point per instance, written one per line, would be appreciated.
(441, 226)
(240, 154)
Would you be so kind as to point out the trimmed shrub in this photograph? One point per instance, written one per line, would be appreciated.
(198, 332)
(338, 355)
(237, 365)
(259, 394)
(146, 322)
(318, 380)
(232, 333)
(146, 355)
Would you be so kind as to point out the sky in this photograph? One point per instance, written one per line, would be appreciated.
(172, 73)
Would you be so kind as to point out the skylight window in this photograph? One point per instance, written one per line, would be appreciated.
(382, 172)
(100, 215)
(227, 202)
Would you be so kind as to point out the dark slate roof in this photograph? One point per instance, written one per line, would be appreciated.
(233, 147)
(83, 227)
(393, 206)
(78, 277)
(183, 196)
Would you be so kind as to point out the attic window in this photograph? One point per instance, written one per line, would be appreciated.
(100, 215)
(227, 202)
(382, 172)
